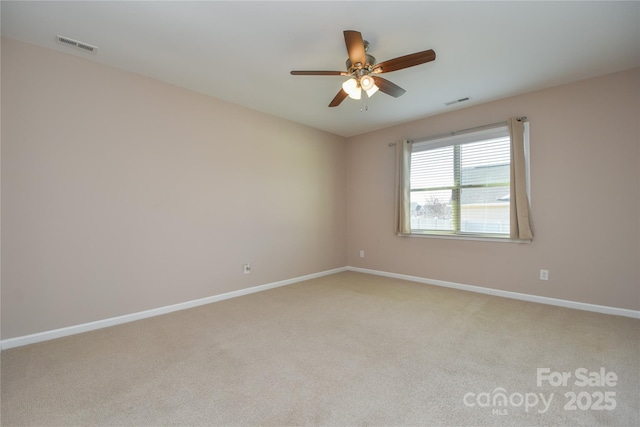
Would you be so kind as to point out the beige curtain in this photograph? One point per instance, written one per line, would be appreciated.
(403, 172)
(520, 218)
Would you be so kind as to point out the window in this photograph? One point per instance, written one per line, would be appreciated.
(460, 184)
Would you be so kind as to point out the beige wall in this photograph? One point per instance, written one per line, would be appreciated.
(585, 179)
(121, 194)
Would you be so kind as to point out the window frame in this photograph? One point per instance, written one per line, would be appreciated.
(456, 139)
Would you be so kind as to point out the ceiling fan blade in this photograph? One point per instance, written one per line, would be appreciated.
(338, 98)
(318, 73)
(355, 47)
(387, 87)
(405, 61)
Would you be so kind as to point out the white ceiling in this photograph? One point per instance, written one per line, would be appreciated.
(242, 51)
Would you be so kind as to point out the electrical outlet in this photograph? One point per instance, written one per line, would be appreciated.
(544, 274)
(247, 268)
(361, 254)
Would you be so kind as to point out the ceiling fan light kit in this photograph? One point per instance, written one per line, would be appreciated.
(361, 68)
(352, 87)
(366, 82)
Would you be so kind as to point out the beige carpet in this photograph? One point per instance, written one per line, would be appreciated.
(346, 349)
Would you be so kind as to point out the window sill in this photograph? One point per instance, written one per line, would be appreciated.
(465, 237)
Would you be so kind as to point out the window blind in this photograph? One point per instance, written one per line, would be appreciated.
(459, 183)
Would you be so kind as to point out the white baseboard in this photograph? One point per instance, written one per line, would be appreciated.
(507, 294)
(99, 324)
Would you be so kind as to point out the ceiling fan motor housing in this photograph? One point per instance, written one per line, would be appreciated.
(371, 60)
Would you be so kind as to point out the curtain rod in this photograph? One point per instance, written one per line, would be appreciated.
(476, 128)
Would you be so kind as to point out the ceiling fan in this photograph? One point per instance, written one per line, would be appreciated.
(363, 70)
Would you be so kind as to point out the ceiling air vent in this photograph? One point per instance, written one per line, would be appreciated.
(457, 101)
(76, 44)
